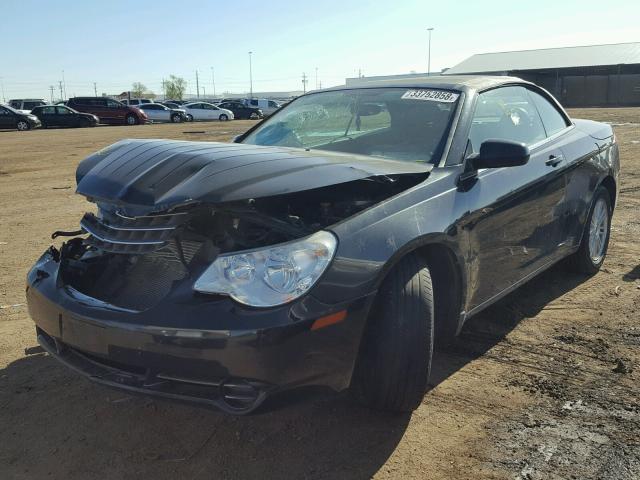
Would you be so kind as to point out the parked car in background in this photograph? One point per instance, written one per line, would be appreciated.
(268, 107)
(63, 116)
(173, 105)
(242, 111)
(136, 101)
(108, 110)
(12, 118)
(25, 105)
(160, 113)
(206, 111)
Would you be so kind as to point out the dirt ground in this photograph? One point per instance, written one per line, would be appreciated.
(543, 385)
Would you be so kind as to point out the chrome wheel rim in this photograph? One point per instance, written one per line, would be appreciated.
(223, 118)
(131, 120)
(23, 126)
(598, 231)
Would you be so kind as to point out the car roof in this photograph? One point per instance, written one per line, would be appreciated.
(447, 82)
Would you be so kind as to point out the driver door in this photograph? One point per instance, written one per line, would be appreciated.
(516, 228)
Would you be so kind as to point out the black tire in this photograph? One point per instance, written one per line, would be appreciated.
(223, 117)
(395, 355)
(84, 124)
(176, 118)
(584, 260)
(131, 120)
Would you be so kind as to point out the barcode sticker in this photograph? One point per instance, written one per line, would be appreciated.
(431, 95)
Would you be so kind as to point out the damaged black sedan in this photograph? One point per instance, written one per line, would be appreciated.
(330, 245)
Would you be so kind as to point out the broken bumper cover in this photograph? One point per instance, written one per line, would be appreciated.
(166, 350)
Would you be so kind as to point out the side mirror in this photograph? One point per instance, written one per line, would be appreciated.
(500, 153)
(236, 139)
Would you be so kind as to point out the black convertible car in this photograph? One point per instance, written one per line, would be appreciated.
(330, 245)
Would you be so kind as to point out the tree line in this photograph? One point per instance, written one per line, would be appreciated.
(174, 88)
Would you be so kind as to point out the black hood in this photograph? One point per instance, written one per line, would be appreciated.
(145, 176)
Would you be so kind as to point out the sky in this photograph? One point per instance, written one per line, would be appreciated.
(115, 43)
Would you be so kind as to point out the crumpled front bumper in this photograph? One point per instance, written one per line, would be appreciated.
(184, 347)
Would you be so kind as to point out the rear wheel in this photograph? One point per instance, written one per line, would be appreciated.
(23, 125)
(131, 120)
(254, 116)
(595, 239)
(223, 117)
(395, 357)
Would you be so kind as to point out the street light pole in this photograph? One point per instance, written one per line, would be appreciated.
(213, 81)
(430, 29)
(250, 78)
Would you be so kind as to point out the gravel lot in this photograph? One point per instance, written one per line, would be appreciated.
(543, 385)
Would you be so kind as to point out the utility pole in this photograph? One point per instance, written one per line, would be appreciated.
(430, 29)
(204, 92)
(213, 82)
(51, 88)
(64, 86)
(197, 85)
(95, 89)
(320, 86)
(4, 100)
(60, 84)
(316, 78)
(164, 90)
(304, 82)
(250, 77)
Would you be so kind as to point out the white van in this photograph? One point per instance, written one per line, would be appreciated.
(25, 105)
(268, 107)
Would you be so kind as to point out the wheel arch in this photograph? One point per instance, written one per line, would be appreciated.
(609, 183)
(446, 266)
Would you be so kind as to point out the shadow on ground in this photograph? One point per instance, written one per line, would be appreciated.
(57, 424)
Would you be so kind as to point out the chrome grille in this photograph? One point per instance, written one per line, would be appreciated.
(117, 233)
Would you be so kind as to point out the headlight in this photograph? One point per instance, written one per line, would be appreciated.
(270, 276)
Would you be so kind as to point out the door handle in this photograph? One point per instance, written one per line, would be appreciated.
(554, 160)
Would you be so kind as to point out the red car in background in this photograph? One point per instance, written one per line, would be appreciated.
(108, 110)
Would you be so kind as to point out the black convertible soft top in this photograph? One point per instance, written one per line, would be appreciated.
(447, 82)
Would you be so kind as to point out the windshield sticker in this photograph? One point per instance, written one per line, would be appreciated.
(431, 95)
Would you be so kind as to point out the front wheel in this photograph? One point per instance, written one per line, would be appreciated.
(595, 238)
(189, 117)
(395, 356)
(223, 117)
(23, 125)
(131, 120)
(176, 118)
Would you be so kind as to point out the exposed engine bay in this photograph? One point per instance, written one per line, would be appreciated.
(134, 262)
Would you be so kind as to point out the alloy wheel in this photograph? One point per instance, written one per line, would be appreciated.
(598, 230)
